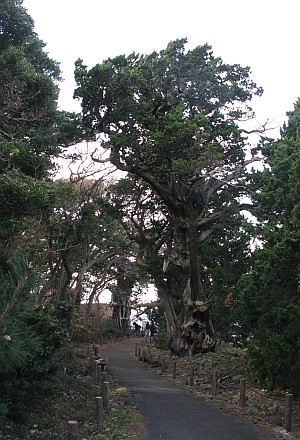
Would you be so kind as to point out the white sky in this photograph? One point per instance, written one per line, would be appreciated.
(262, 34)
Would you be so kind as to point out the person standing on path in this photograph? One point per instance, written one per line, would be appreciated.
(137, 329)
(147, 330)
(152, 330)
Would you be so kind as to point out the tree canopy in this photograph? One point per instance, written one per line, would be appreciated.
(270, 290)
(32, 130)
(172, 121)
(32, 133)
(170, 118)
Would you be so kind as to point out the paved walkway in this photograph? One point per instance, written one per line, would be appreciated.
(173, 413)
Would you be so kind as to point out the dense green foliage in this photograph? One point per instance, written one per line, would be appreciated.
(60, 228)
(30, 334)
(168, 128)
(32, 134)
(170, 119)
(271, 302)
(32, 130)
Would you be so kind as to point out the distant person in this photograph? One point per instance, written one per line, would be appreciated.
(152, 329)
(147, 330)
(137, 329)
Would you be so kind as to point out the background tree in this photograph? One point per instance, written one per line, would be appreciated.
(145, 221)
(224, 255)
(32, 130)
(84, 243)
(227, 255)
(270, 310)
(169, 118)
(125, 279)
(32, 134)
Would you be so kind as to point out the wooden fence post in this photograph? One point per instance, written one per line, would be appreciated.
(105, 395)
(99, 414)
(214, 382)
(242, 400)
(104, 378)
(192, 376)
(174, 370)
(95, 368)
(92, 363)
(288, 412)
(72, 430)
(150, 358)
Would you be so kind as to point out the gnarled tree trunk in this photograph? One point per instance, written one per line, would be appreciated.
(191, 330)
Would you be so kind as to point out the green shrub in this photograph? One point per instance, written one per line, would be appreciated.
(105, 329)
(3, 412)
(273, 352)
(80, 333)
(30, 335)
(161, 338)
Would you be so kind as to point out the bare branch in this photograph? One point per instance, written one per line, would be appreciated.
(209, 219)
(205, 234)
(95, 159)
(247, 207)
(225, 180)
(148, 305)
(9, 136)
(260, 130)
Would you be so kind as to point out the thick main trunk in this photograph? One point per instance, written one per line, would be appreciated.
(191, 332)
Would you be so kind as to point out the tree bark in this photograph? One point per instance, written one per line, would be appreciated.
(191, 332)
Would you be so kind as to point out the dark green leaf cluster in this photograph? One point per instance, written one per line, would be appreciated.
(270, 304)
(15, 24)
(29, 333)
(32, 134)
(32, 130)
(169, 119)
(166, 111)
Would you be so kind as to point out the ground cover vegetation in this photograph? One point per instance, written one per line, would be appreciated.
(173, 122)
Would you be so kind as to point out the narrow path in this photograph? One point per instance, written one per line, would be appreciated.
(172, 413)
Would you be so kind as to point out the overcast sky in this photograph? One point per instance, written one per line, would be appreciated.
(262, 34)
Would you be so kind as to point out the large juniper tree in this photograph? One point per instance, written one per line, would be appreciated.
(170, 118)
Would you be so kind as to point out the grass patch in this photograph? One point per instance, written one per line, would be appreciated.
(71, 396)
(124, 422)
